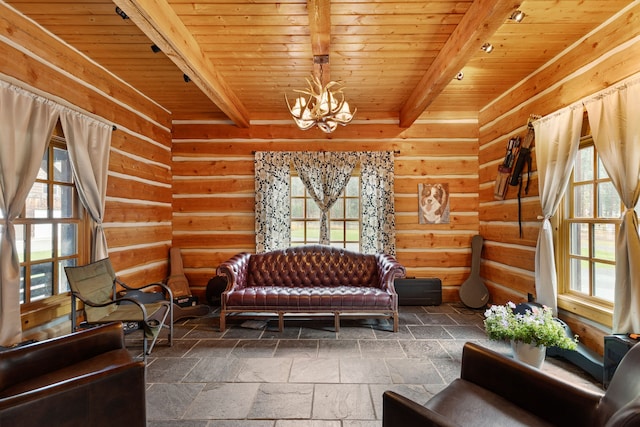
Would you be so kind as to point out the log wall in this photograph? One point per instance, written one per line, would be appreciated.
(600, 59)
(138, 206)
(213, 189)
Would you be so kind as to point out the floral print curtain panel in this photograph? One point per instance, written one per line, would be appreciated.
(378, 225)
(273, 217)
(272, 176)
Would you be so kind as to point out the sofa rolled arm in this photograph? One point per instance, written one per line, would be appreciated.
(399, 411)
(389, 269)
(235, 270)
(555, 400)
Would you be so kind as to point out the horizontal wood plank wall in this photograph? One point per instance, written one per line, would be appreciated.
(213, 189)
(138, 208)
(599, 60)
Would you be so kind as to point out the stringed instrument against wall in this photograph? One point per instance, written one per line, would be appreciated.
(473, 292)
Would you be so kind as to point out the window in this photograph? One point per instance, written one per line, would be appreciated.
(344, 216)
(591, 222)
(50, 229)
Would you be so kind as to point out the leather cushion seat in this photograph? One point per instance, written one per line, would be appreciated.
(464, 403)
(316, 297)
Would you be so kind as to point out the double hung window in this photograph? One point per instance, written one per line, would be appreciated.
(344, 216)
(51, 228)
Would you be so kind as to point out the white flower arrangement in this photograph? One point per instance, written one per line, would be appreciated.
(536, 326)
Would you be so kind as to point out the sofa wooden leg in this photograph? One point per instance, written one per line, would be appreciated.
(222, 320)
(336, 321)
(395, 322)
(280, 321)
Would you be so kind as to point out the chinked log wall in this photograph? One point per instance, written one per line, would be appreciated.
(213, 186)
(138, 207)
(602, 58)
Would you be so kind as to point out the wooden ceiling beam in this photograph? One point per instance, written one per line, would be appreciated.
(320, 32)
(480, 22)
(162, 25)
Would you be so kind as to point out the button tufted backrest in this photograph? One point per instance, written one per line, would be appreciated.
(312, 265)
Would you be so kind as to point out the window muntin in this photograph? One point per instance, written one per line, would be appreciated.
(50, 229)
(344, 216)
(592, 223)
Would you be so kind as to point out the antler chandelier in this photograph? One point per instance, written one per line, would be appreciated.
(323, 106)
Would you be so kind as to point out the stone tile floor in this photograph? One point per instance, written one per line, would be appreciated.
(308, 375)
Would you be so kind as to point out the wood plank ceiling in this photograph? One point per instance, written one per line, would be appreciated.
(397, 58)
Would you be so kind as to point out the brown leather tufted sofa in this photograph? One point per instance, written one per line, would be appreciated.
(87, 378)
(311, 279)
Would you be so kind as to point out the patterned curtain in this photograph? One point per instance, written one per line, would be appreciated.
(324, 175)
(378, 209)
(273, 217)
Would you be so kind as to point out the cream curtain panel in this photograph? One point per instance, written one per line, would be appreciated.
(26, 125)
(272, 208)
(614, 117)
(557, 139)
(325, 175)
(88, 142)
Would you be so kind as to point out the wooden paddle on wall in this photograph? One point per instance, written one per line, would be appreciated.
(473, 292)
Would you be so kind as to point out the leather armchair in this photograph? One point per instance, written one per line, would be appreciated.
(494, 390)
(87, 378)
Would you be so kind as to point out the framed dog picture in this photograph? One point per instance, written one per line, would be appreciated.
(433, 203)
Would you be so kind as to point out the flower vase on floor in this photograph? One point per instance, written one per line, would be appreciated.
(528, 353)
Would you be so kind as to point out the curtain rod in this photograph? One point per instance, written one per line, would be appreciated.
(397, 152)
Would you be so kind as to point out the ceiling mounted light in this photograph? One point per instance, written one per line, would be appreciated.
(487, 47)
(517, 16)
(155, 48)
(121, 13)
(323, 106)
(460, 76)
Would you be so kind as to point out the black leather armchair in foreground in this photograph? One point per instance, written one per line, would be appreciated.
(87, 378)
(494, 390)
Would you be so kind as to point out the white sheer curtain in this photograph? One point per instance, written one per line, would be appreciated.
(557, 139)
(614, 117)
(88, 142)
(26, 125)
(378, 225)
(324, 175)
(272, 208)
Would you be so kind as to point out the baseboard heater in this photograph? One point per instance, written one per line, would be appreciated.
(419, 291)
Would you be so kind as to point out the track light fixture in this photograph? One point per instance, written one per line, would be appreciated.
(517, 16)
(487, 47)
(186, 78)
(121, 13)
(155, 48)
